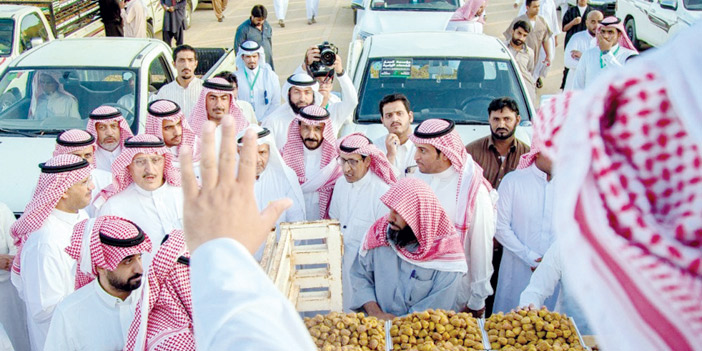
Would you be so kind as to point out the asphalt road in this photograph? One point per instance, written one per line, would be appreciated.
(334, 24)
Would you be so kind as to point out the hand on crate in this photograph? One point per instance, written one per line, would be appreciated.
(225, 205)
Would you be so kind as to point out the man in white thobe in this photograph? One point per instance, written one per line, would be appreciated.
(257, 83)
(613, 50)
(397, 117)
(134, 19)
(13, 315)
(274, 180)
(302, 90)
(82, 144)
(310, 150)
(324, 75)
(466, 196)
(544, 283)
(110, 129)
(186, 88)
(579, 43)
(245, 107)
(145, 188)
(42, 271)
(411, 259)
(356, 199)
(524, 228)
(98, 314)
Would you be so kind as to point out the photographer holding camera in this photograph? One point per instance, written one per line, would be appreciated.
(322, 62)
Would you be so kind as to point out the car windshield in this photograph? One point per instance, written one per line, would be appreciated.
(694, 5)
(459, 89)
(56, 99)
(6, 28)
(414, 5)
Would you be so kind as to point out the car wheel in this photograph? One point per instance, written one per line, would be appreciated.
(630, 28)
(188, 14)
(149, 30)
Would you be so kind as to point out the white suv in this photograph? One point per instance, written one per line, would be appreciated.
(656, 21)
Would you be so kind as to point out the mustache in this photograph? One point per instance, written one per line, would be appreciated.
(135, 276)
(311, 139)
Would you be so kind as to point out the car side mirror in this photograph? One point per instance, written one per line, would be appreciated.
(357, 5)
(34, 42)
(669, 4)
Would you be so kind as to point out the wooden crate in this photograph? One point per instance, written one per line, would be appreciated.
(305, 264)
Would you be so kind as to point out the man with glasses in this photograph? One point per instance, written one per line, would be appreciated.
(145, 188)
(356, 199)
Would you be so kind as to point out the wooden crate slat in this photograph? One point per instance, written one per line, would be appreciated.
(268, 251)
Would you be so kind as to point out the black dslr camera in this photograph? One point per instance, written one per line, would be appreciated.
(323, 66)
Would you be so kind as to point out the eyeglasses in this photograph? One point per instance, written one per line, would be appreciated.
(351, 162)
(154, 160)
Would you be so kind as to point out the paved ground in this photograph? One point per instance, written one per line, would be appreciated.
(334, 24)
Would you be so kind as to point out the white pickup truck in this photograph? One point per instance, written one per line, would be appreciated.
(656, 21)
(117, 71)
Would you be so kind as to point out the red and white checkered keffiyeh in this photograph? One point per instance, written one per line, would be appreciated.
(162, 109)
(359, 144)
(451, 145)
(630, 200)
(618, 24)
(73, 140)
(91, 247)
(121, 178)
(167, 322)
(198, 116)
(51, 186)
(108, 114)
(547, 124)
(294, 156)
(440, 245)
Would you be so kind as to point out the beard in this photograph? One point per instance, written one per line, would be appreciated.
(402, 237)
(517, 42)
(502, 137)
(296, 109)
(129, 285)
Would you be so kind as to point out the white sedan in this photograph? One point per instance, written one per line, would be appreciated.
(451, 75)
(393, 16)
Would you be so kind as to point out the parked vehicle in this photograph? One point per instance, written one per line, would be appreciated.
(607, 7)
(441, 80)
(393, 16)
(654, 22)
(122, 72)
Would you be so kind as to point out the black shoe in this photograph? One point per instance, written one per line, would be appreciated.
(539, 84)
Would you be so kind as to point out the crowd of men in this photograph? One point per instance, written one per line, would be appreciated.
(99, 256)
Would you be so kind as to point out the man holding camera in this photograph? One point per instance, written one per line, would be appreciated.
(324, 63)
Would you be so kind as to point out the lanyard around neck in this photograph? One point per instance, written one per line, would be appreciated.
(251, 84)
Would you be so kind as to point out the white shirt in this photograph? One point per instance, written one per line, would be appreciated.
(101, 179)
(265, 95)
(240, 308)
(186, 98)
(56, 105)
(471, 26)
(476, 283)
(156, 212)
(580, 41)
(339, 113)
(47, 272)
(544, 283)
(357, 206)
(134, 19)
(313, 162)
(524, 228)
(592, 63)
(13, 314)
(104, 158)
(404, 157)
(247, 110)
(274, 186)
(91, 319)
